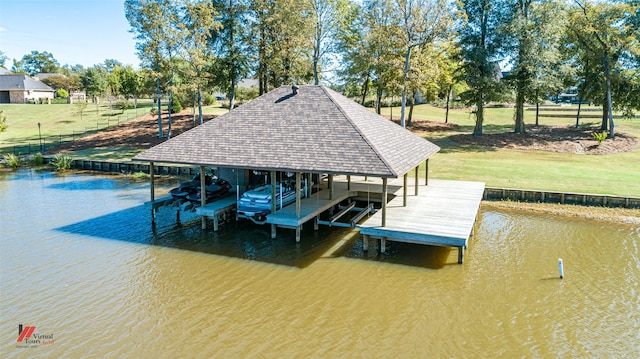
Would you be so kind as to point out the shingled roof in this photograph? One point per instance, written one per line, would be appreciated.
(22, 82)
(316, 130)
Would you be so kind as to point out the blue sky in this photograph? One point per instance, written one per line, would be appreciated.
(84, 32)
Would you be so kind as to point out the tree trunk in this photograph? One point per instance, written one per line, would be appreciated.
(446, 114)
(519, 128)
(607, 70)
(159, 97)
(200, 105)
(605, 110)
(378, 99)
(365, 89)
(537, 113)
(477, 130)
(578, 114)
(232, 94)
(411, 104)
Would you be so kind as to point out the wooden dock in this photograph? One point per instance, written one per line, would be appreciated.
(310, 209)
(217, 209)
(442, 214)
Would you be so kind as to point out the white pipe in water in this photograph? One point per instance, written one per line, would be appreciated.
(561, 268)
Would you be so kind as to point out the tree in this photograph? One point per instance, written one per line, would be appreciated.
(605, 38)
(280, 44)
(326, 15)
(3, 58)
(480, 43)
(150, 25)
(230, 44)
(533, 36)
(94, 81)
(195, 26)
(421, 22)
(36, 62)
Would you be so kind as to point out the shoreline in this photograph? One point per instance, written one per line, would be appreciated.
(608, 214)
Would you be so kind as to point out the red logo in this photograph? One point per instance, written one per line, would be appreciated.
(24, 333)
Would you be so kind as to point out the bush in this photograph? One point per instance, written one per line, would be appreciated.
(139, 176)
(208, 99)
(123, 105)
(62, 162)
(600, 137)
(62, 93)
(176, 106)
(3, 121)
(37, 160)
(12, 160)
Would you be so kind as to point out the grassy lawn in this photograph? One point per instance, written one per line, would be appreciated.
(615, 174)
(60, 122)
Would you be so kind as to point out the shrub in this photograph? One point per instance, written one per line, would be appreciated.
(3, 121)
(176, 106)
(140, 176)
(62, 162)
(208, 99)
(62, 93)
(37, 160)
(12, 160)
(600, 137)
(153, 111)
(123, 105)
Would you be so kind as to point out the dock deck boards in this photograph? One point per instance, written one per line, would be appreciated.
(222, 204)
(309, 208)
(443, 214)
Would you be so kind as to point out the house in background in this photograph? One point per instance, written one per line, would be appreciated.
(20, 88)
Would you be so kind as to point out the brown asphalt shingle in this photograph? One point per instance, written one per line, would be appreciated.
(318, 130)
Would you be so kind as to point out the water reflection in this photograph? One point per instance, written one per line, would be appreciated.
(80, 259)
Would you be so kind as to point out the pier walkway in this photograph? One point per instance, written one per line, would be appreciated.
(442, 214)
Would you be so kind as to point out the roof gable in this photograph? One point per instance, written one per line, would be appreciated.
(316, 130)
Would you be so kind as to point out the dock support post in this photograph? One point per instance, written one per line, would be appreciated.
(315, 223)
(153, 192)
(203, 195)
(330, 182)
(426, 172)
(405, 190)
(365, 242)
(348, 182)
(274, 205)
(460, 255)
(216, 222)
(384, 202)
(417, 177)
(383, 245)
(298, 190)
(298, 230)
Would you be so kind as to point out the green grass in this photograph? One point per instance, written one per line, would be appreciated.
(616, 174)
(59, 122)
(62, 122)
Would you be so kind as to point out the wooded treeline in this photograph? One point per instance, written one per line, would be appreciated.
(481, 51)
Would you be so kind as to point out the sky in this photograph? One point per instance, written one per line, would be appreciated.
(84, 32)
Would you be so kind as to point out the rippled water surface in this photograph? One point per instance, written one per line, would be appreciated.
(80, 261)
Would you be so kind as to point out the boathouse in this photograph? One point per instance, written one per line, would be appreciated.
(315, 130)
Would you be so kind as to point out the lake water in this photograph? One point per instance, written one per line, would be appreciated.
(82, 264)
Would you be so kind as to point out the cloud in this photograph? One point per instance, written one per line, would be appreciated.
(2, 29)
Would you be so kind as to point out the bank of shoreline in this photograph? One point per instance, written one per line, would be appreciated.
(608, 214)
